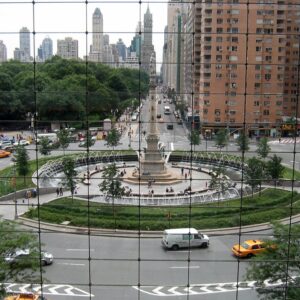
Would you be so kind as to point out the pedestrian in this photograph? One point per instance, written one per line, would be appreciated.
(185, 176)
(57, 192)
(189, 172)
(61, 193)
(182, 170)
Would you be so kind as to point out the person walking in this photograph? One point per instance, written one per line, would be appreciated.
(57, 192)
(61, 193)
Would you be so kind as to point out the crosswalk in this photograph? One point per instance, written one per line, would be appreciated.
(285, 141)
(47, 289)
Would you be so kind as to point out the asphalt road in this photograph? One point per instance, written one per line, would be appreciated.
(120, 268)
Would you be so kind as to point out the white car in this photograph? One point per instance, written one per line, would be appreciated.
(46, 258)
(21, 143)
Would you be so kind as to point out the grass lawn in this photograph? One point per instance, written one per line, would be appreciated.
(271, 205)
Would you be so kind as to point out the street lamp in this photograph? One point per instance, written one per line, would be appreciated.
(15, 191)
(32, 117)
(114, 112)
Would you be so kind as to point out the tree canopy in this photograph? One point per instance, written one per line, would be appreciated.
(66, 89)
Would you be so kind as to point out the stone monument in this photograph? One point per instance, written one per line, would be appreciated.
(152, 166)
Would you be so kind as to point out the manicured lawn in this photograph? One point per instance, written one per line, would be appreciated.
(271, 205)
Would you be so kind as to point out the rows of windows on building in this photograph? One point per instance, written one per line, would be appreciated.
(114, 55)
(231, 63)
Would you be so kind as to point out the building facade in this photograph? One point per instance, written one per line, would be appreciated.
(24, 51)
(3, 52)
(67, 48)
(244, 74)
(147, 48)
(96, 49)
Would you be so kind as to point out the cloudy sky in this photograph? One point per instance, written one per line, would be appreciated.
(59, 19)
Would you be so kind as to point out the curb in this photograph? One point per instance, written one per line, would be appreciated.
(148, 234)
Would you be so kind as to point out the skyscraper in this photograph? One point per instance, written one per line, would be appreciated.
(67, 48)
(3, 52)
(147, 46)
(96, 49)
(121, 49)
(25, 45)
(47, 48)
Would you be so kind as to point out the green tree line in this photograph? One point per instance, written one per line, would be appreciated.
(72, 90)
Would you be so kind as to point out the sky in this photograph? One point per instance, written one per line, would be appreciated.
(60, 19)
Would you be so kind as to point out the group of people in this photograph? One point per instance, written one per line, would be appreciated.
(59, 191)
(169, 190)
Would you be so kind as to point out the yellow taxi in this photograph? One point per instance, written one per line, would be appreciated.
(25, 296)
(4, 153)
(248, 248)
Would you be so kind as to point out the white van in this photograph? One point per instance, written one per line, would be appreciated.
(183, 238)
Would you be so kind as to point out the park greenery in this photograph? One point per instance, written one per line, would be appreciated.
(70, 173)
(278, 265)
(263, 148)
(221, 138)
(194, 138)
(113, 138)
(272, 204)
(23, 270)
(22, 159)
(67, 90)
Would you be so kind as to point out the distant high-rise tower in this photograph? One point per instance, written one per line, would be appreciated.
(3, 52)
(96, 50)
(121, 49)
(25, 45)
(47, 48)
(147, 46)
(67, 48)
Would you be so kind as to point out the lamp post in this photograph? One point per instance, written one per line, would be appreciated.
(15, 192)
(32, 117)
(114, 112)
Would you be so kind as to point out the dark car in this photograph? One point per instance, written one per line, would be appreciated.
(158, 116)
(170, 126)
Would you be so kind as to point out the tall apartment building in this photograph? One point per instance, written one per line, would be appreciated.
(3, 52)
(67, 48)
(245, 64)
(96, 49)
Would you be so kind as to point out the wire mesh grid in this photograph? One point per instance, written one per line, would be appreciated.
(149, 116)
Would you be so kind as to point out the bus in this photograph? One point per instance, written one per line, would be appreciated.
(167, 110)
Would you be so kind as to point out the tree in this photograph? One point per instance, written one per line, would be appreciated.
(274, 168)
(254, 172)
(22, 159)
(24, 270)
(70, 173)
(64, 139)
(113, 138)
(221, 138)
(263, 148)
(45, 146)
(111, 184)
(194, 138)
(243, 141)
(278, 264)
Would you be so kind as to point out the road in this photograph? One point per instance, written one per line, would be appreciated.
(120, 268)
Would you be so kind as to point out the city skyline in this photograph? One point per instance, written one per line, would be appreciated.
(74, 25)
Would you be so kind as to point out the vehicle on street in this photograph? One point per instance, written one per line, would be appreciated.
(158, 116)
(249, 248)
(13, 257)
(167, 110)
(4, 153)
(22, 143)
(84, 144)
(183, 238)
(5, 144)
(170, 126)
(179, 122)
(134, 117)
(25, 296)
(50, 136)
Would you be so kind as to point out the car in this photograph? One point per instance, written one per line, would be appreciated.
(46, 257)
(84, 144)
(158, 116)
(179, 122)
(22, 143)
(26, 296)
(4, 153)
(170, 126)
(249, 248)
(5, 144)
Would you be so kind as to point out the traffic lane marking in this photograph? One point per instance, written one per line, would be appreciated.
(70, 264)
(91, 250)
(48, 289)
